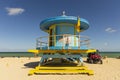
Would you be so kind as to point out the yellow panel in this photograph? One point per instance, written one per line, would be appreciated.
(34, 51)
(52, 26)
(60, 68)
(90, 72)
(65, 51)
(47, 31)
(54, 35)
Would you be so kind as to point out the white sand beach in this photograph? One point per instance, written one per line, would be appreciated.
(17, 69)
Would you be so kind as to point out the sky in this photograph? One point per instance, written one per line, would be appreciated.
(20, 19)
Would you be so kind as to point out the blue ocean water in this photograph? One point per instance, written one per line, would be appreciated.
(28, 54)
(16, 54)
(110, 54)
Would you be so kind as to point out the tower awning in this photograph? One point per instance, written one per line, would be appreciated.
(45, 24)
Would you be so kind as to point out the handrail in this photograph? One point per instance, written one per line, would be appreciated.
(44, 40)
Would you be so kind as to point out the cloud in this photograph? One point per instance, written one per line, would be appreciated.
(14, 11)
(106, 44)
(110, 30)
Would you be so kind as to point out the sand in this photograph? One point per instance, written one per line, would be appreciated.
(17, 69)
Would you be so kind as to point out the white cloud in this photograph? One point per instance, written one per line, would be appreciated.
(110, 30)
(14, 11)
(106, 44)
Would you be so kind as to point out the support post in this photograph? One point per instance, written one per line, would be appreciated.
(79, 42)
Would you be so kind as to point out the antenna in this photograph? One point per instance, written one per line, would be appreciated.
(63, 13)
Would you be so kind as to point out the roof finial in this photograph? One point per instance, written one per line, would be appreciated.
(63, 13)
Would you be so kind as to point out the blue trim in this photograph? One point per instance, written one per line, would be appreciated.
(60, 47)
(45, 24)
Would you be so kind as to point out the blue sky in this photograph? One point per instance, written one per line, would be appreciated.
(20, 19)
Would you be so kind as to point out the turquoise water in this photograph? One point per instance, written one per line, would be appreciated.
(110, 54)
(28, 54)
(16, 54)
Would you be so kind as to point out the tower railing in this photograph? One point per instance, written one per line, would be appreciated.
(45, 42)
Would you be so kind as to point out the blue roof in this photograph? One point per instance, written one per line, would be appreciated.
(45, 24)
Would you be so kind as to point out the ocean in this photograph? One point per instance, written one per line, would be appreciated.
(16, 54)
(28, 54)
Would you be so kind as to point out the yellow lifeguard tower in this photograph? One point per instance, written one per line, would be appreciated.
(61, 50)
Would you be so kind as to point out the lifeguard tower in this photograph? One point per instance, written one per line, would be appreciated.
(61, 50)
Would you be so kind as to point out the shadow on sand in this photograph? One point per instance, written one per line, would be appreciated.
(34, 64)
(31, 64)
